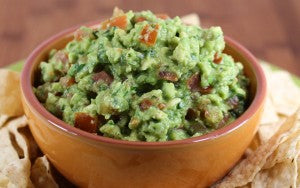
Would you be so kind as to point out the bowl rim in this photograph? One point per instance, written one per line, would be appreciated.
(32, 101)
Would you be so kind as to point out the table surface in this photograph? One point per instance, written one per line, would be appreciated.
(270, 29)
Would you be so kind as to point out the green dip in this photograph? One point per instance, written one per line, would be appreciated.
(144, 77)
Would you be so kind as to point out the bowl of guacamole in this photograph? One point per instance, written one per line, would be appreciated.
(142, 100)
(143, 77)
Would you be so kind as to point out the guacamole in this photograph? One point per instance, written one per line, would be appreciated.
(143, 77)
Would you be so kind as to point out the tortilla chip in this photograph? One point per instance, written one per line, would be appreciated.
(269, 114)
(10, 99)
(255, 143)
(246, 170)
(14, 158)
(281, 175)
(266, 131)
(3, 119)
(284, 92)
(286, 151)
(298, 172)
(4, 181)
(41, 174)
(191, 19)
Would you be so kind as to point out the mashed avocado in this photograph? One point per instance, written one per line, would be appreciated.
(144, 77)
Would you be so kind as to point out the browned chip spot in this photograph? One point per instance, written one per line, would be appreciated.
(41, 173)
(170, 76)
(248, 168)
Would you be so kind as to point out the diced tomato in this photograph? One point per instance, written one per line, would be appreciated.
(80, 34)
(149, 36)
(86, 122)
(205, 113)
(206, 90)
(217, 59)
(170, 76)
(134, 122)
(191, 114)
(139, 19)
(194, 85)
(120, 21)
(162, 16)
(193, 82)
(105, 24)
(67, 81)
(161, 106)
(233, 101)
(103, 76)
(223, 122)
(145, 104)
(61, 56)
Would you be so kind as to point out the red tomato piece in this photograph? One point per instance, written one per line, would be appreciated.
(161, 106)
(80, 34)
(149, 36)
(206, 90)
(191, 114)
(61, 56)
(139, 19)
(103, 76)
(193, 82)
(145, 104)
(120, 22)
(162, 16)
(86, 122)
(66, 81)
(171, 76)
(217, 59)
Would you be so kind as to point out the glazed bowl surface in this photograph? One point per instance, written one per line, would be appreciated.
(89, 160)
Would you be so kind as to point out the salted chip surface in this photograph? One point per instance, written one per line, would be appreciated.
(287, 150)
(298, 172)
(281, 175)
(14, 159)
(10, 99)
(248, 168)
(191, 19)
(266, 131)
(41, 174)
(270, 114)
(284, 92)
(3, 119)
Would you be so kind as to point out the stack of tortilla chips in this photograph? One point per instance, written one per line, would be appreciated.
(21, 163)
(272, 160)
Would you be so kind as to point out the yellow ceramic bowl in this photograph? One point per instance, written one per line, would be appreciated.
(89, 160)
